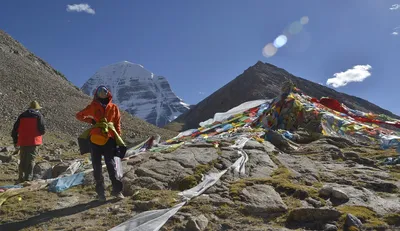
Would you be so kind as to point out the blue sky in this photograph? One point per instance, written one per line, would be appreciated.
(202, 45)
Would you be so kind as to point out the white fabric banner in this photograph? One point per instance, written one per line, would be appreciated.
(148, 221)
(221, 116)
(155, 219)
(118, 167)
(208, 181)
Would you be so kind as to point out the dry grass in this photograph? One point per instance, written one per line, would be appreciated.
(367, 216)
(225, 211)
(193, 180)
(174, 126)
(373, 153)
(281, 180)
(161, 198)
(26, 205)
(292, 202)
(394, 172)
(392, 219)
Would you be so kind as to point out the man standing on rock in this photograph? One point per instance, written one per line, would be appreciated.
(104, 135)
(27, 134)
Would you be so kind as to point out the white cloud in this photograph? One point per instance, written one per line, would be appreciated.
(395, 7)
(83, 7)
(201, 93)
(396, 30)
(356, 74)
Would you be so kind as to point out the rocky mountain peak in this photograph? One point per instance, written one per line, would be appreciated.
(263, 81)
(139, 92)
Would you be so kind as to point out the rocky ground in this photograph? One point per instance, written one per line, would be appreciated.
(324, 183)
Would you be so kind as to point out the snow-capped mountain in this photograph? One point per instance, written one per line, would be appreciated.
(139, 92)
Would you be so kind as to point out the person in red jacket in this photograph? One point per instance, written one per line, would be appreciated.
(27, 134)
(103, 143)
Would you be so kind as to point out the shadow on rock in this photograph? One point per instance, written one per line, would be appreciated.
(47, 216)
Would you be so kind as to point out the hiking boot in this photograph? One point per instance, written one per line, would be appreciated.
(101, 198)
(119, 195)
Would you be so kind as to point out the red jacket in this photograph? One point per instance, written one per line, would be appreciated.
(95, 111)
(28, 129)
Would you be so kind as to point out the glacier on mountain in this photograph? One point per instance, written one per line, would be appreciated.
(139, 92)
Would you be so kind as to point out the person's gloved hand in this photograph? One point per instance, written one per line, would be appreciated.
(120, 151)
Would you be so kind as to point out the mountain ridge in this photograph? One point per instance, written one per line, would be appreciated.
(139, 92)
(261, 81)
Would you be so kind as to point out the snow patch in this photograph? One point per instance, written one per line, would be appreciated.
(138, 91)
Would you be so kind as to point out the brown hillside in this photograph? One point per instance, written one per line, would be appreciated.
(25, 77)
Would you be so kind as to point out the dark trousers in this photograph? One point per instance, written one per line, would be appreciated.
(107, 150)
(26, 161)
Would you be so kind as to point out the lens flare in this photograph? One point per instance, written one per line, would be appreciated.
(280, 41)
(269, 50)
(295, 27)
(304, 20)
